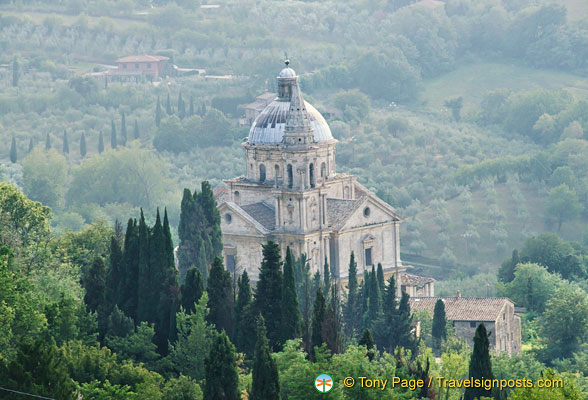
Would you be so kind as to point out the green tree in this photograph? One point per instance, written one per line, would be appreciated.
(65, 143)
(113, 141)
(168, 108)
(455, 105)
(192, 289)
(367, 341)
(220, 296)
(332, 325)
(245, 318)
(480, 365)
(350, 309)
(15, 71)
(136, 132)
(100, 143)
(95, 285)
(47, 142)
(123, 129)
(269, 293)
(31, 145)
(83, 149)
(45, 177)
(385, 334)
(439, 330)
(193, 342)
(222, 379)
(353, 103)
(551, 251)
(326, 278)
(191, 109)
(265, 383)
(563, 204)
(37, 368)
(565, 321)
(507, 269)
(374, 300)
(318, 320)
(380, 276)
(13, 155)
(138, 346)
(291, 324)
(182, 388)
(158, 113)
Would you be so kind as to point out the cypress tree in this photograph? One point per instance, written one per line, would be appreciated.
(31, 145)
(116, 275)
(220, 297)
(439, 330)
(507, 269)
(290, 310)
(113, 142)
(123, 129)
(100, 143)
(192, 289)
(168, 108)
(119, 325)
(15, 72)
(326, 278)
(480, 364)
(165, 328)
(128, 295)
(208, 203)
(374, 304)
(146, 303)
(380, 276)
(269, 293)
(95, 285)
(158, 113)
(191, 110)
(367, 341)
(170, 261)
(65, 143)
(83, 145)
(265, 383)
(222, 378)
(318, 320)
(350, 310)
(181, 107)
(188, 231)
(13, 154)
(332, 325)
(245, 317)
(404, 333)
(47, 142)
(136, 132)
(385, 332)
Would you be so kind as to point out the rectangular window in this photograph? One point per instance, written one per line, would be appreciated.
(368, 257)
(473, 324)
(231, 263)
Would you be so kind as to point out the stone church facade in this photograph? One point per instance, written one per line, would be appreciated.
(293, 194)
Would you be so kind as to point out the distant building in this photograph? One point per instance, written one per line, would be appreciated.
(417, 286)
(252, 110)
(466, 313)
(135, 68)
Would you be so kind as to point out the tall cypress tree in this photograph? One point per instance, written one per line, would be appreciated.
(332, 325)
(192, 289)
(158, 113)
(100, 143)
(47, 142)
(265, 383)
(181, 107)
(439, 331)
(350, 310)
(113, 141)
(65, 143)
(15, 71)
(95, 285)
(146, 303)
(83, 149)
(222, 378)
(116, 275)
(318, 320)
(374, 304)
(168, 244)
(123, 129)
(269, 293)
(291, 312)
(191, 110)
(13, 154)
(130, 265)
(380, 276)
(136, 132)
(245, 317)
(208, 203)
(168, 107)
(31, 145)
(403, 327)
(220, 298)
(385, 332)
(480, 364)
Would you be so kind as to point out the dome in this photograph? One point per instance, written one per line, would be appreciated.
(287, 73)
(268, 127)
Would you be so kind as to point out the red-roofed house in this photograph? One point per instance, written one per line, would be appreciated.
(138, 67)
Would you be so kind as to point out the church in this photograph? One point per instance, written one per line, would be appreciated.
(292, 194)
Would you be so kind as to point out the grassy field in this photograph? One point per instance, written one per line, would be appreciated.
(473, 81)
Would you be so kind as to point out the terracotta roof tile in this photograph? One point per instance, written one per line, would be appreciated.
(144, 58)
(415, 280)
(463, 308)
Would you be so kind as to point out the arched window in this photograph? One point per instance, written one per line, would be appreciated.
(311, 173)
(323, 170)
(262, 173)
(236, 197)
(290, 176)
(276, 173)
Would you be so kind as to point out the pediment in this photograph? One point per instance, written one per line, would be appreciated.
(235, 221)
(370, 211)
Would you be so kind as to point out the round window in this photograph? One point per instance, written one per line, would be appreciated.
(366, 212)
(228, 218)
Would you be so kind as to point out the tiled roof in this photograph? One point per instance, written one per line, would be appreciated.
(339, 210)
(258, 105)
(463, 308)
(262, 213)
(415, 280)
(144, 58)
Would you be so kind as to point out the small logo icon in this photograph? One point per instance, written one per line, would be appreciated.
(323, 383)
